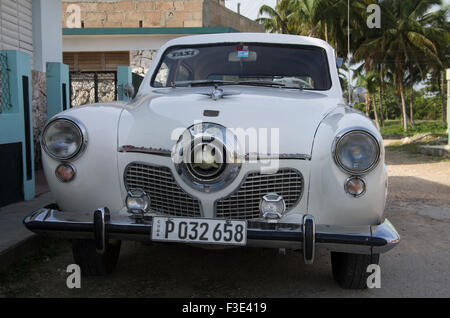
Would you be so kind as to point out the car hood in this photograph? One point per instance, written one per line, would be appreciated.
(156, 120)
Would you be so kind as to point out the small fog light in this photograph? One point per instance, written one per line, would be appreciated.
(65, 172)
(272, 206)
(137, 201)
(355, 186)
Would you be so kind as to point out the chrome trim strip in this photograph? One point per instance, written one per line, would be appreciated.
(248, 156)
(147, 150)
(281, 156)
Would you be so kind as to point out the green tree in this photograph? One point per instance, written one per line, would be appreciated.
(403, 39)
(440, 35)
(370, 81)
(278, 19)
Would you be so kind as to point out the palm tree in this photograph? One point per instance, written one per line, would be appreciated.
(403, 39)
(414, 76)
(278, 20)
(306, 14)
(325, 19)
(438, 21)
(370, 81)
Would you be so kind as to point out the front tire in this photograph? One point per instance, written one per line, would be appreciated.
(350, 270)
(92, 263)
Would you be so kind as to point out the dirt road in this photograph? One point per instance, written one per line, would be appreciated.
(418, 205)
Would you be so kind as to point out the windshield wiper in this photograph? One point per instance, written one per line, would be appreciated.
(201, 82)
(222, 82)
(259, 83)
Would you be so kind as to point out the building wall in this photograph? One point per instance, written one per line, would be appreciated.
(47, 34)
(136, 13)
(140, 61)
(215, 14)
(39, 106)
(96, 61)
(157, 13)
(16, 26)
(21, 29)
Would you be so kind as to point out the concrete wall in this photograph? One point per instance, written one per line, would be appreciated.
(47, 36)
(140, 60)
(157, 13)
(129, 13)
(39, 113)
(215, 14)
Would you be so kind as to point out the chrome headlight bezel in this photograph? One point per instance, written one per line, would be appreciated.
(346, 133)
(80, 129)
(216, 136)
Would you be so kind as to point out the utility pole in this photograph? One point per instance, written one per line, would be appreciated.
(448, 105)
(348, 55)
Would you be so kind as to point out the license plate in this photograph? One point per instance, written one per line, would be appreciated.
(208, 231)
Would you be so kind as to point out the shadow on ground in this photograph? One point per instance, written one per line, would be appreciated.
(418, 267)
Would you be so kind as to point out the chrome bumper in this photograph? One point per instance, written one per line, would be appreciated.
(361, 240)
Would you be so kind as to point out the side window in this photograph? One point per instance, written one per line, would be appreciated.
(183, 74)
(162, 76)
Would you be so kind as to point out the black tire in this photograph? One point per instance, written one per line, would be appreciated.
(350, 270)
(92, 263)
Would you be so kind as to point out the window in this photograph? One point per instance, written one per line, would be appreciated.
(162, 76)
(292, 66)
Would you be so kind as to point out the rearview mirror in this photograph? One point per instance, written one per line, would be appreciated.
(129, 90)
(359, 95)
(250, 56)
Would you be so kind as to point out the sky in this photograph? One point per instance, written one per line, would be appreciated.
(250, 8)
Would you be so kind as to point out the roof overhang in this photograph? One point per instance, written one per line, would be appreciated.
(140, 31)
(126, 39)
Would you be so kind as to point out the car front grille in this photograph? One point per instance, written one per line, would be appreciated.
(244, 203)
(166, 196)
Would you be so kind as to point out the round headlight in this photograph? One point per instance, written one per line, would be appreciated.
(357, 152)
(62, 139)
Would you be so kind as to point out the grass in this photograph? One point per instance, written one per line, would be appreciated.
(409, 148)
(394, 128)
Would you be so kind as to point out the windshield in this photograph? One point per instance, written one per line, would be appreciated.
(291, 66)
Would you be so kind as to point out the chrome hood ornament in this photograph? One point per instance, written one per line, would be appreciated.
(218, 93)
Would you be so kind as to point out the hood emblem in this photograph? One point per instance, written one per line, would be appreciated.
(218, 93)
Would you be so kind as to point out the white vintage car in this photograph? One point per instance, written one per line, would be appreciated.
(232, 139)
